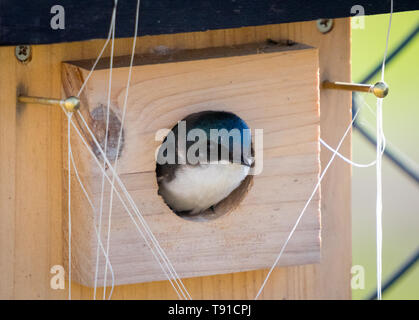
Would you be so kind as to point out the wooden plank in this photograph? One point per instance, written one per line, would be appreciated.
(273, 88)
(7, 176)
(274, 92)
(327, 280)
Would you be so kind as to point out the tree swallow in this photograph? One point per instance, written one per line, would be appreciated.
(202, 160)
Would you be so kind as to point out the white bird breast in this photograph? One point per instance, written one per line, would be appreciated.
(197, 188)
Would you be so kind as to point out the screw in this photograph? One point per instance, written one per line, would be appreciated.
(324, 25)
(71, 104)
(23, 53)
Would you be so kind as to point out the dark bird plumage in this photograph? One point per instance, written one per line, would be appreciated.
(200, 182)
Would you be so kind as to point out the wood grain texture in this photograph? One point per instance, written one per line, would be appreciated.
(273, 88)
(31, 239)
(7, 176)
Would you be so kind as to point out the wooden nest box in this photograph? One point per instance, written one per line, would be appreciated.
(274, 87)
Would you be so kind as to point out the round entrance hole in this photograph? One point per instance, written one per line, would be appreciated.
(203, 165)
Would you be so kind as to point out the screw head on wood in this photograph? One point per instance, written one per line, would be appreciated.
(23, 53)
(324, 25)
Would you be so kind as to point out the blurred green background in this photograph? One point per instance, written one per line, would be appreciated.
(401, 127)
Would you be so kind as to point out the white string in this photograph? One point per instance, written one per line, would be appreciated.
(125, 207)
(401, 154)
(380, 139)
(94, 210)
(380, 150)
(105, 151)
(147, 229)
(116, 191)
(178, 282)
(124, 108)
(359, 165)
(306, 205)
(383, 138)
(101, 51)
(355, 164)
(69, 204)
(379, 203)
(383, 66)
(361, 98)
(110, 33)
(134, 207)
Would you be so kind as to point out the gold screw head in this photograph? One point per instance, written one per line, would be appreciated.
(380, 89)
(71, 104)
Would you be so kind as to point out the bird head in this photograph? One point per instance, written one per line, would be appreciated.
(223, 135)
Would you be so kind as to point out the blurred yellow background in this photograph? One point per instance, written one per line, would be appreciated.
(401, 127)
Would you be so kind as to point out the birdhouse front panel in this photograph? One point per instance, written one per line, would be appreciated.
(273, 88)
